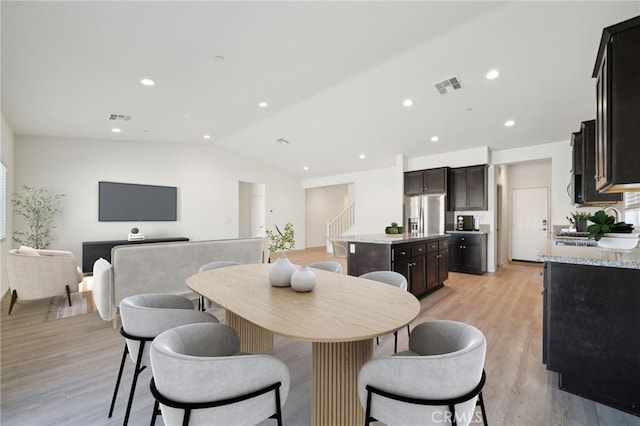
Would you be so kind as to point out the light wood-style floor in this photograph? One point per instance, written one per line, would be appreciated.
(62, 372)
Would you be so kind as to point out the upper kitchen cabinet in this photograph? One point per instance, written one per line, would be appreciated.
(469, 188)
(431, 181)
(576, 167)
(589, 195)
(617, 71)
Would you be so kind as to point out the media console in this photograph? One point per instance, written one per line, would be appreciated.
(94, 250)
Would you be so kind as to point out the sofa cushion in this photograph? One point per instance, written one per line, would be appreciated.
(103, 289)
(28, 251)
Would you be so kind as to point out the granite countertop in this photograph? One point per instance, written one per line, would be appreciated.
(387, 238)
(593, 256)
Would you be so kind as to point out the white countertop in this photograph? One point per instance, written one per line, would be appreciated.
(593, 256)
(387, 238)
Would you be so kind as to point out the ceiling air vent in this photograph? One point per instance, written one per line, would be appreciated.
(120, 117)
(449, 85)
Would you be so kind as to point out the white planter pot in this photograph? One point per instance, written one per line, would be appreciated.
(280, 272)
(303, 279)
(618, 242)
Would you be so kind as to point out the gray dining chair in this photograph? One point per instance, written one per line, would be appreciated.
(205, 303)
(201, 378)
(439, 380)
(143, 317)
(327, 265)
(395, 279)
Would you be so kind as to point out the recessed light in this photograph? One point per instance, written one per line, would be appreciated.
(493, 74)
(509, 123)
(116, 130)
(263, 104)
(206, 137)
(147, 82)
(407, 102)
(362, 156)
(434, 139)
(305, 168)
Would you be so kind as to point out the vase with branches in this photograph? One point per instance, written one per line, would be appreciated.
(38, 207)
(279, 242)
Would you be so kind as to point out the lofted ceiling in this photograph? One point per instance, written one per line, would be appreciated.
(334, 74)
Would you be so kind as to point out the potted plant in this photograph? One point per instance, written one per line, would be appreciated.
(580, 219)
(281, 271)
(38, 207)
(603, 223)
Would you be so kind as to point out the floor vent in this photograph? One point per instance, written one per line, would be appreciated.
(449, 85)
(120, 117)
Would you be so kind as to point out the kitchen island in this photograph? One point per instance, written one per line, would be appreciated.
(421, 258)
(591, 323)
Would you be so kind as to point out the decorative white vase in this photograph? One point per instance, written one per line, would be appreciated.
(303, 279)
(280, 272)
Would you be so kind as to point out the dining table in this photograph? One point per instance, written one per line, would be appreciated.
(340, 316)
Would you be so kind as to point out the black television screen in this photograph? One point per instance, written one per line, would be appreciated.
(120, 202)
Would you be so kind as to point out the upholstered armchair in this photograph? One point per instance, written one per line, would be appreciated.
(200, 378)
(36, 274)
(437, 381)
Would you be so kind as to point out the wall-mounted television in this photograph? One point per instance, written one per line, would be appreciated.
(128, 202)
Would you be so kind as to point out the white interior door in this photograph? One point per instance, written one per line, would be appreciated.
(529, 222)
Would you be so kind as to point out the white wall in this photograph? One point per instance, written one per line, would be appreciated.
(7, 158)
(322, 205)
(377, 196)
(207, 179)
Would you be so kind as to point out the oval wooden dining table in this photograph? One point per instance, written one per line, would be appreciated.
(340, 316)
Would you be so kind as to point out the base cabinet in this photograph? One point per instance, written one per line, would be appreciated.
(423, 263)
(468, 253)
(590, 332)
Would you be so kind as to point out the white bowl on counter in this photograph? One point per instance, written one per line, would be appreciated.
(619, 242)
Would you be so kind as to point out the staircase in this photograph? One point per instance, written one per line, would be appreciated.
(338, 227)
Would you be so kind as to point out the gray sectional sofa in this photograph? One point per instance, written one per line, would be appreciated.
(163, 268)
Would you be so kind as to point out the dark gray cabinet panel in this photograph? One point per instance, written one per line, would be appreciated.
(430, 181)
(469, 188)
(618, 108)
(419, 261)
(590, 332)
(468, 253)
(590, 196)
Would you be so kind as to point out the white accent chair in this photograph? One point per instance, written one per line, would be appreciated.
(144, 317)
(205, 303)
(200, 378)
(327, 265)
(437, 381)
(395, 279)
(36, 274)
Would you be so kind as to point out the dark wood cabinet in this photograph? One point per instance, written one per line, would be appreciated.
(468, 253)
(590, 332)
(618, 108)
(437, 264)
(94, 250)
(421, 262)
(430, 181)
(576, 168)
(469, 188)
(589, 194)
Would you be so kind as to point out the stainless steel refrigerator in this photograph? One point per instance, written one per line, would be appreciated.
(427, 214)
